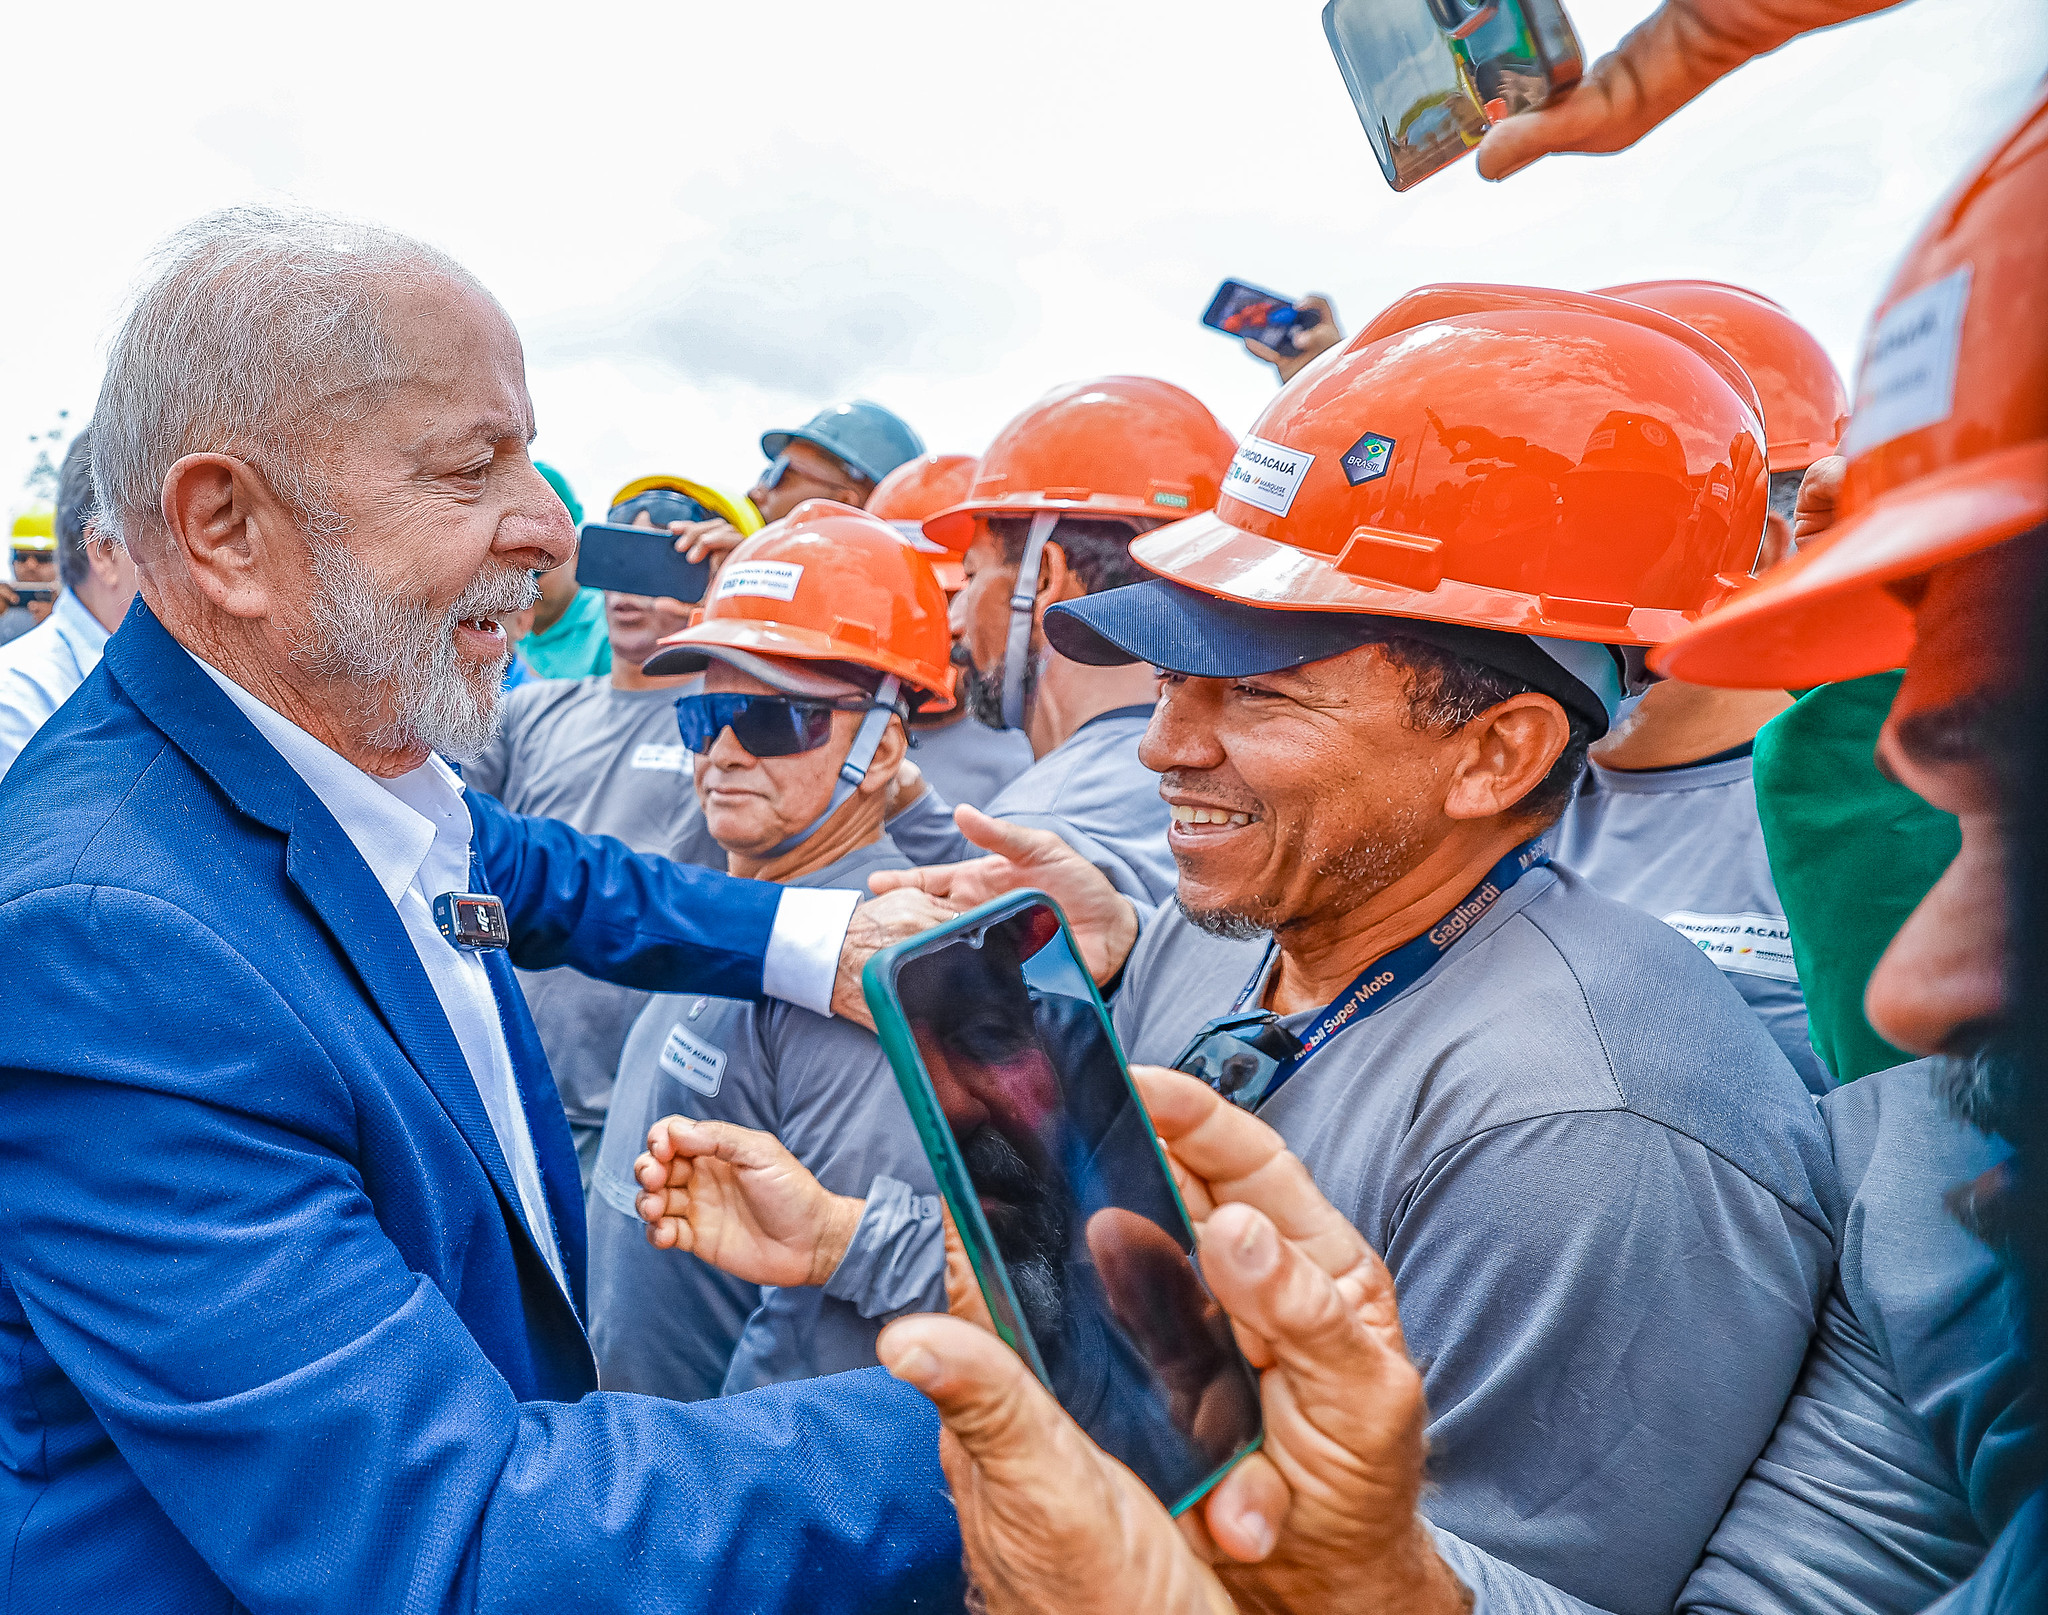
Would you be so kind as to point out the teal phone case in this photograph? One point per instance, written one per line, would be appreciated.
(878, 986)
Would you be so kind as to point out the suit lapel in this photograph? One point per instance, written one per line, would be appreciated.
(320, 860)
(553, 1147)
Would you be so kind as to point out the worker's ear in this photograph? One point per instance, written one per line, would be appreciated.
(888, 758)
(1056, 580)
(1506, 752)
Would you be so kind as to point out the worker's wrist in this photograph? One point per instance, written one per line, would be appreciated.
(835, 1237)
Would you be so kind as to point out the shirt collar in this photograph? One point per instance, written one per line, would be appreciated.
(396, 824)
(78, 625)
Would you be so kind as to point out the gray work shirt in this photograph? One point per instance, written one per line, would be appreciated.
(967, 761)
(1684, 844)
(1090, 791)
(1902, 1453)
(1605, 1201)
(667, 1324)
(609, 762)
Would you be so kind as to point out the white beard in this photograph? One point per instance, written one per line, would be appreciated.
(398, 651)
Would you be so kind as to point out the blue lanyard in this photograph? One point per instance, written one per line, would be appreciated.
(1380, 982)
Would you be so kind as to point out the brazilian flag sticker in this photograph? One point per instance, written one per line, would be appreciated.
(1367, 458)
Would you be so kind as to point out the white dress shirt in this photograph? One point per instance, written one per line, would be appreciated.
(39, 671)
(414, 833)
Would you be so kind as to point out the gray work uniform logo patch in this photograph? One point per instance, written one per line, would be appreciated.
(1367, 458)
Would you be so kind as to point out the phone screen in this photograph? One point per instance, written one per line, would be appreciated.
(637, 560)
(1252, 315)
(1081, 1243)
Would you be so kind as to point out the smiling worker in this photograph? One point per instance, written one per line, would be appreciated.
(1601, 1190)
(323, 1349)
(824, 634)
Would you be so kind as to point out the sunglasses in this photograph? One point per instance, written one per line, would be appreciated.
(764, 725)
(1240, 1055)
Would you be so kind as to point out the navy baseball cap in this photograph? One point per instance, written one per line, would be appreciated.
(1185, 631)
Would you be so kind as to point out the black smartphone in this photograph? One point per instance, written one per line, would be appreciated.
(638, 560)
(1252, 315)
(1060, 1190)
(1428, 77)
(25, 593)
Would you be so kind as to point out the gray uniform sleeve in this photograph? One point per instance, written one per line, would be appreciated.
(1501, 1589)
(1563, 1402)
(897, 1261)
(1849, 1507)
(925, 832)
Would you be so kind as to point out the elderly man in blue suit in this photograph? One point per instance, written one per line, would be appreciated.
(291, 1242)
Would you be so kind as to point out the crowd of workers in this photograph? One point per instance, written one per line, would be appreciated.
(1545, 809)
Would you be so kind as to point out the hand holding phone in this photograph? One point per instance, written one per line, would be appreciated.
(1251, 315)
(1059, 1191)
(1429, 77)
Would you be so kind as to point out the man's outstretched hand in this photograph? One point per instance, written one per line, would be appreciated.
(875, 925)
(1679, 50)
(739, 1200)
(1328, 1508)
(1050, 1521)
(1103, 920)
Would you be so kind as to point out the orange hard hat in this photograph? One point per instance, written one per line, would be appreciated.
(1118, 446)
(1805, 403)
(827, 583)
(1947, 449)
(920, 488)
(1549, 463)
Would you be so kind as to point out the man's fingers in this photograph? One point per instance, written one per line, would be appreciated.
(737, 1146)
(984, 1393)
(1239, 1158)
(1017, 842)
(1318, 1333)
(964, 1299)
(1820, 492)
(1247, 1508)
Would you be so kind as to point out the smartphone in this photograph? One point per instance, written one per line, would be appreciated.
(638, 560)
(26, 593)
(1429, 76)
(1252, 315)
(1061, 1192)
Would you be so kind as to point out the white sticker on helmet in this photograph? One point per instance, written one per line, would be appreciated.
(772, 580)
(1266, 474)
(1908, 379)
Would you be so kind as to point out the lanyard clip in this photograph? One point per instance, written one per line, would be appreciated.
(474, 921)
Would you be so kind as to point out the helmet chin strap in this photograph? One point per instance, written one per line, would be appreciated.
(1023, 595)
(859, 756)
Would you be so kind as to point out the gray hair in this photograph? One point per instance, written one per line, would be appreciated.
(260, 330)
(75, 511)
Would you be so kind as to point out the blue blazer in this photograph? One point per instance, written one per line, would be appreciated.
(273, 1333)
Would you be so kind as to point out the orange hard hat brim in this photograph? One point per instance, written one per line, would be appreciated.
(952, 575)
(955, 528)
(1826, 614)
(809, 645)
(1206, 552)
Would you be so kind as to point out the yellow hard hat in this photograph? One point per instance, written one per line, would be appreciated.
(740, 512)
(36, 528)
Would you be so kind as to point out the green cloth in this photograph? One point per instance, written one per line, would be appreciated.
(560, 484)
(578, 644)
(1852, 853)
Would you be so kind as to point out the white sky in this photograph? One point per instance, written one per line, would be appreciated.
(708, 220)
